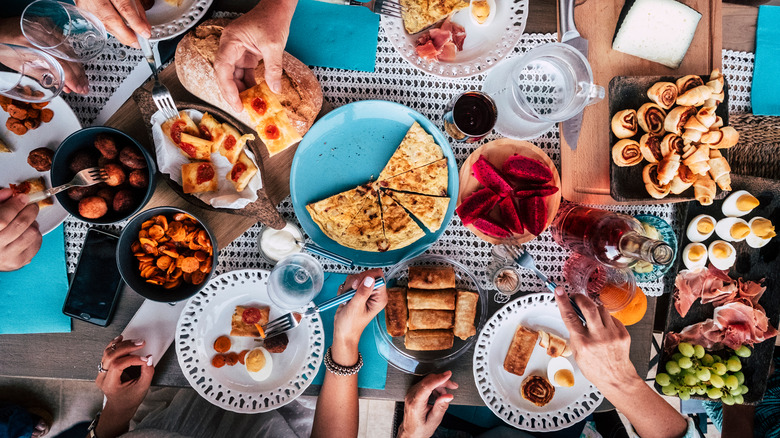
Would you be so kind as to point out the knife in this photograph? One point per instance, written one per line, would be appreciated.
(569, 35)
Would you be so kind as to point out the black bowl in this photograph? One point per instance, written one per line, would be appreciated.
(85, 140)
(128, 263)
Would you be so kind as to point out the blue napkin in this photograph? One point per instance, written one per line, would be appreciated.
(31, 298)
(373, 375)
(337, 36)
(765, 93)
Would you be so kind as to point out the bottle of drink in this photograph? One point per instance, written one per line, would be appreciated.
(612, 238)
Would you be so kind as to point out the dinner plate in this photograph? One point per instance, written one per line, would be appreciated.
(170, 21)
(500, 390)
(207, 315)
(483, 47)
(49, 135)
(349, 147)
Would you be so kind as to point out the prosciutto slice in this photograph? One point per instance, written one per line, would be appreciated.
(442, 43)
(713, 286)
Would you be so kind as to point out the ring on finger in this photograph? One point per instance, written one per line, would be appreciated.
(113, 347)
(101, 369)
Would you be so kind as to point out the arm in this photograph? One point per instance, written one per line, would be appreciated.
(337, 404)
(20, 239)
(602, 352)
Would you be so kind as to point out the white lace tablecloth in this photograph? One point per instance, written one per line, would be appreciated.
(396, 81)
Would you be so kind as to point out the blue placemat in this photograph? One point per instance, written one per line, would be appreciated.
(337, 36)
(765, 94)
(373, 375)
(31, 298)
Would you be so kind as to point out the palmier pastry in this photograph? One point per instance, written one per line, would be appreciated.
(716, 81)
(684, 179)
(664, 94)
(537, 390)
(692, 91)
(626, 153)
(651, 118)
(721, 138)
(672, 144)
(653, 186)
(624, 124)
(704, 189)
(720, 171)
(667, 169)
(650, 146)
(677, 118)
(687, 83)
(697, 159)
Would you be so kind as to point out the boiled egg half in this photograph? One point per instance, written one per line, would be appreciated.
(482, 12)
(722, 255)
(761, 232)
(259, 364)
(700, 228)
(695, 255)
(732, 229)
(739, 204)
(560, 372)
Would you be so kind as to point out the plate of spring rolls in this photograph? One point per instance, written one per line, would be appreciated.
(435, 309)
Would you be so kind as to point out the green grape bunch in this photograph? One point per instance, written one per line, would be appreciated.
(693, 371)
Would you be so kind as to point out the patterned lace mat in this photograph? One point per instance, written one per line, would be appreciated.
(396, 81)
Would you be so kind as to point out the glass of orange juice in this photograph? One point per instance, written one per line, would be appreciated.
(613, 288)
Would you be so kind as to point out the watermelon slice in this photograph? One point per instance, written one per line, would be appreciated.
(533, 214)
(491, 228)
(477, 204)
(535, 191)
(487, 174)
(526, 169)
(509, 214)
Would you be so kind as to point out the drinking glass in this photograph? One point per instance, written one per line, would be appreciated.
(295, 281)
(63, 30)
(614, 288)
(29, 75)
(470, 116)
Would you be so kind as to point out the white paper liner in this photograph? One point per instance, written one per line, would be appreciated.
(170, 160)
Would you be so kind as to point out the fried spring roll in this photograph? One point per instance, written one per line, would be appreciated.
(431, 277)
(431, 299)
(395, 311)
(428, 340)
(465, 311)
(520, 350)
(430, 319)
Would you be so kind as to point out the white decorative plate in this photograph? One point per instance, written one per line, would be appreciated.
(500, 389)
(483, 48)
(170, 21)
(14, 168)
(207, 316)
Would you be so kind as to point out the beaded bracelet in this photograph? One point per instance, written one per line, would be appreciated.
(341, 370)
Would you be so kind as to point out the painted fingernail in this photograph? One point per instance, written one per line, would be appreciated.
(559, 291)
(149, 360)
(137, 341)
(355, 284)
(368, 282)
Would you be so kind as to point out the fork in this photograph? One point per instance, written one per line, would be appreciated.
(524, 259)
(86, 177)
(391, 8)
(291, 320)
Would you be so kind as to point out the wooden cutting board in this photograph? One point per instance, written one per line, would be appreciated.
(585, 171)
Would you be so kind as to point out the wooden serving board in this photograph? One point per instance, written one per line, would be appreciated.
(585, 171)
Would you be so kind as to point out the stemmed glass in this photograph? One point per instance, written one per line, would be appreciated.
(29, 75)
(63, 30)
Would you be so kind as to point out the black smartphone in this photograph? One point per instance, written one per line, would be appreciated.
(96, 285)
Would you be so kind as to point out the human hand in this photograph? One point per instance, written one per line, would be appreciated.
(420, 418)
(259, 34)
(20, 238)
(601, 348)
(121, 18)
(352, 317)
(124, 397)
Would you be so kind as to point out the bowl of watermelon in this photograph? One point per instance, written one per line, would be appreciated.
(509, 192)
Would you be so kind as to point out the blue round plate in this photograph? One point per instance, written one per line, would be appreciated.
(348, 147)
(667, 235)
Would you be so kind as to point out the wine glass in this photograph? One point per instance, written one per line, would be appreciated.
(295, 281)
(29, 75)
(63, 30)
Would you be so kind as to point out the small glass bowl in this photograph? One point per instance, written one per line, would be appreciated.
(265, 256)
(668, 236)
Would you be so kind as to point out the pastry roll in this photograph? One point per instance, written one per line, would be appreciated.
(677, 118)
(720, 171)
(520, 350)
(697, 159)
(687, 83)
(706, 116)
(537, 390)
(653, 186)
(650, 146)
(395, 311)
(692, 91)
(718, 123)
(664, 94)
(624, 124)
(465, 311)
(716, 81)
(721, 138)
(691, 136)
(431, 299)
(667, 169)
(626, 153)
(428, 340)
(431, 277)
(672, 144)
(427, 319)
(651, 118)
(704, 189)
(715, 99)
(683, 180)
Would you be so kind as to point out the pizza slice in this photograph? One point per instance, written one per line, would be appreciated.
(334, 214)
(194, 147)
(260, 102)
(242, 172)
(239, 325)
(173, 128)
(427, 180)
(270, 118)
(32, 185)
(430, 210)
(212, 130)
(198, 177)
(365, 232)
(232, 143)
(400, 229)
(417, 149)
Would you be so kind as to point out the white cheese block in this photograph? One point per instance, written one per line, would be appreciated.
(657, 30)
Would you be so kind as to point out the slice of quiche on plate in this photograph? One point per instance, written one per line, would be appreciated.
(430, 210)
(366, 233)
(334, 214)
(421, 14)
(417, 149)
(427, 180)
(400, 229)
